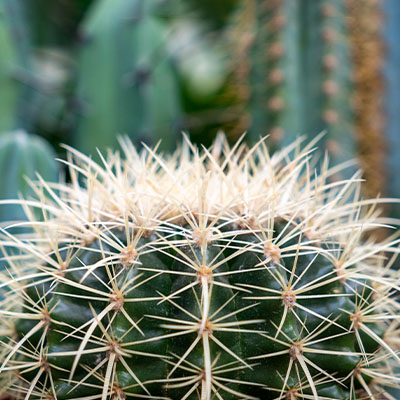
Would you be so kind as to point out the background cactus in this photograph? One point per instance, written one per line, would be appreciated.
(222, 274)
(365, 21)
(125, 49)
(293, 72)
(14, 61)
(22, 156)
(392, 100)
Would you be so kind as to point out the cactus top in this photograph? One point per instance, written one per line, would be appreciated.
(221, 273)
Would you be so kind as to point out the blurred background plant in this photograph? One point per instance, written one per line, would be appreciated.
(82, 72)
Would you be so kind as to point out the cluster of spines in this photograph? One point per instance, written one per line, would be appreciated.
(187, 205)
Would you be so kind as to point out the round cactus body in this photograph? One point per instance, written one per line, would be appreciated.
(221, 274)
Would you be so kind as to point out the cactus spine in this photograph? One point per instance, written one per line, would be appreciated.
(222, 274)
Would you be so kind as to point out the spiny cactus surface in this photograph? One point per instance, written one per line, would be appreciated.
(217, 274)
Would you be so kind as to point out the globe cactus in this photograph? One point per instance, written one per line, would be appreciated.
(224, 273)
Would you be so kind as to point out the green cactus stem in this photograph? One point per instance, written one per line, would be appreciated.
(22, 155)
(391, 34)
(293, 72)
(127, 83)
(14, 61)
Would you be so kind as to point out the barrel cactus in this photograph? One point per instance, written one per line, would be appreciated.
(224, 273)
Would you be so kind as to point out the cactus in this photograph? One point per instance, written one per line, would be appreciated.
(57, 26)
(293, 72)
(14, 59)
(274, 102)
(126, 80)
(22, 156)
(392, 84)
(366, 22)
(221, 274)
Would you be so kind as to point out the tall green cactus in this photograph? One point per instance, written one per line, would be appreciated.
(126, 82)
(9, 87)
(299, 71)
(366, 21)
(392, 101)
(274, 101)
(13, 63)
(216, 275)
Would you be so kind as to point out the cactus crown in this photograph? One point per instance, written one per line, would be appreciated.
(224, 273)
